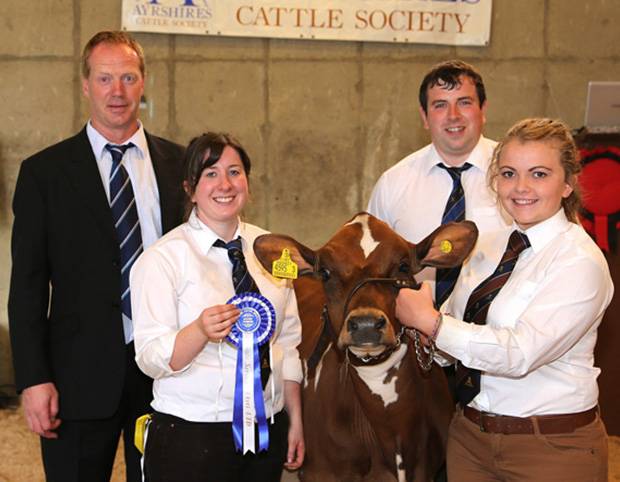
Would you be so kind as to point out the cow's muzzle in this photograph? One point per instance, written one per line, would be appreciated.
(367, 327)
(367, 330)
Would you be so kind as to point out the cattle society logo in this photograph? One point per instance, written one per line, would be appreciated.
(171, 14)
(451, 22)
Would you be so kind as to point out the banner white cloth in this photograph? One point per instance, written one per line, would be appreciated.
(448, 22)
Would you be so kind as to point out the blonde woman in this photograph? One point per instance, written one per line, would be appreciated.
(522, 324)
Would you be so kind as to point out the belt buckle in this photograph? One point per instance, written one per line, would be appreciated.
(482, 416)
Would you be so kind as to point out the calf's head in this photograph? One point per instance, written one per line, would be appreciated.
(362, 267)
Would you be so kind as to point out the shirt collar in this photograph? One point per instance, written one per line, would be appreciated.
(478, 158)
(205, 236)
(98, 141)
(542, 233)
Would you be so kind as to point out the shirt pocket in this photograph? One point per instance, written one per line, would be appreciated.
(510, 305)
(195, 294)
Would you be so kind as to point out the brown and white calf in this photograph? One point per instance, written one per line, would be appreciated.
(371, 413)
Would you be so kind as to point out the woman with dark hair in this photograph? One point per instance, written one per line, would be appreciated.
(522, 324)
(182, 327)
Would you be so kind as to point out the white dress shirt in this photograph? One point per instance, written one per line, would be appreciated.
(139, 167)
(172, 282)
(411, 196)
(536, 351)
(137, 162)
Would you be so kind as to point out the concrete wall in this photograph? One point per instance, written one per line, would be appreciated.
(321, 120)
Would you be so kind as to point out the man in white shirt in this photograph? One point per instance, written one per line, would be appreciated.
(412, 195)
(416, 195)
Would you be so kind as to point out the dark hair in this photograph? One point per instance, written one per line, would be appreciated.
(448, 75)
(204, 151)
(558, 134)
(115, 38)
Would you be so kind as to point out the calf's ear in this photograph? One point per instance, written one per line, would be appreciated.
(269, 247)
(448, 245)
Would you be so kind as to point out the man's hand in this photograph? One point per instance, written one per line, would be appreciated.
(40, 404)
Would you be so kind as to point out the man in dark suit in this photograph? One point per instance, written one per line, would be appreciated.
(69, 315)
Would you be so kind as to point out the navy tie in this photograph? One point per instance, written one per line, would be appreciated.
(243, 283)
(468, 380)
(242, 279)
(127, 225)
(454, 211)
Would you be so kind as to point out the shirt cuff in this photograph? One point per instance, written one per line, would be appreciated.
(291, 369)
(154, 360)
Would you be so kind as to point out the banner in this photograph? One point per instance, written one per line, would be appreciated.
(447, 22)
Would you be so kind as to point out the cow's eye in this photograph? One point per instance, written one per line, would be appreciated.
(404, 267)
(324, 274)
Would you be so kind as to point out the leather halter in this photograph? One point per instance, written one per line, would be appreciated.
(327, 333)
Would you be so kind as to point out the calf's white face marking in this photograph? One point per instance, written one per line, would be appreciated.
(367, 243)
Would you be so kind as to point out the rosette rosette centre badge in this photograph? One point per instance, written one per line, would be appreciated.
(254, 328)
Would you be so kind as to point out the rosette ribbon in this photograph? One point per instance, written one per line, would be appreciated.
(254, 327)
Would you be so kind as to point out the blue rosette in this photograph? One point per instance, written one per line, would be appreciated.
(254, 328)
(257, 316)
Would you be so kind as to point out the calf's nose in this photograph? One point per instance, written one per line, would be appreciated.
(365, 329)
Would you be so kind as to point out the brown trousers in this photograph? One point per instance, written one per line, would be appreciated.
(475, 456)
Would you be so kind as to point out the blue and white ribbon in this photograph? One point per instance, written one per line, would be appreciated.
(254, 327)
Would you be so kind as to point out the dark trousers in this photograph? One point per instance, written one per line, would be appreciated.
(84, 450)
(178, 450)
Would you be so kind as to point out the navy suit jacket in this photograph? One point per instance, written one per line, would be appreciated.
(64, 301)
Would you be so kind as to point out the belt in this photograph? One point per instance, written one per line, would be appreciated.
(547, 424)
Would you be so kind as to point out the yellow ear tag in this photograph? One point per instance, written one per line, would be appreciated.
(284, 267)
(445, 246)
(138, 437)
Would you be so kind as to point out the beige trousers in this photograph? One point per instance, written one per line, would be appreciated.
(475, 456)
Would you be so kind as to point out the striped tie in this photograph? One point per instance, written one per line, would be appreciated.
(127, 224)
(468, 380)
(243, 283)
(242, 279)
(454, 211)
